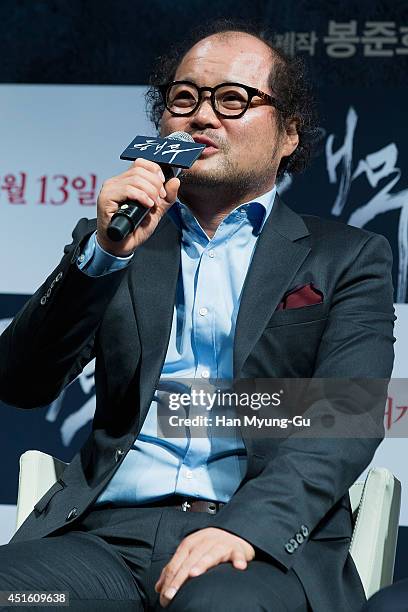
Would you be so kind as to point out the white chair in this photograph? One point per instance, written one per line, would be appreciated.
(375, 504)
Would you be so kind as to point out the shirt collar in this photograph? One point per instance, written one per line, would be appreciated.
(257, 211)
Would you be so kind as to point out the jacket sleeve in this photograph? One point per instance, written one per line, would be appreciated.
(299, 486)
(51, 339)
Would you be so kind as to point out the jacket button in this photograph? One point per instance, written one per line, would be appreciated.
(289, 548)
(73, 513)
(293, 542)
(118, 454)
(304, 530)
(299, 538)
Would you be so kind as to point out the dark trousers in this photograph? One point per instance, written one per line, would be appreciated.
(112, 557)
(394, 598)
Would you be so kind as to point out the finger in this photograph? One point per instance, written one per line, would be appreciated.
(146, 163)
(179, 557)
(210, 558)
(152, 191)
(183, 551)
(172, 584)
(152, 177)
(238, 560)
(159, 584)
(172, 187)
(138, 195)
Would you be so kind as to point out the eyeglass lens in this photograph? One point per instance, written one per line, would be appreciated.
(230, 100)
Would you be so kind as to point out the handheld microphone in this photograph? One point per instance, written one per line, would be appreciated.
(130, 213)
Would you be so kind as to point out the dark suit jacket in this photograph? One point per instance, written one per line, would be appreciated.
(124, 319)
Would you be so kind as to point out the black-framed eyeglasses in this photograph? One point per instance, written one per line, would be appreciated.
(231, 100)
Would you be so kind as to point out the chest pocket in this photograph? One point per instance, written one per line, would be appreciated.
(293, 316)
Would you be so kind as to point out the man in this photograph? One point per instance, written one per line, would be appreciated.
(200, 292)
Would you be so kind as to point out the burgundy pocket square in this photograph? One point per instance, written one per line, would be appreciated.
(306, 295)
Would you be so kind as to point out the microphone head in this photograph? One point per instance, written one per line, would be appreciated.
(170, 171)
(180, 136)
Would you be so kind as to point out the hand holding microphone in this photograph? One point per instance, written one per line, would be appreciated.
(143, 184)
(131, 205)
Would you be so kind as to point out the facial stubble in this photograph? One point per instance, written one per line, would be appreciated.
(229, 178)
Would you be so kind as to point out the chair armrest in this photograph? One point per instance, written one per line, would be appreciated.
(374, 539)
(38, 472)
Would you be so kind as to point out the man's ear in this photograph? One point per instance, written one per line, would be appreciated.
(291, 137)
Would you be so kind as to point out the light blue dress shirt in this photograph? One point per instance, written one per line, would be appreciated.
(209, 288)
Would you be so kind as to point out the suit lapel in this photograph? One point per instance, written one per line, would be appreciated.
(153, 283)
(278, 255)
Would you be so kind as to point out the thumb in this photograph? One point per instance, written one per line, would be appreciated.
(172, 187)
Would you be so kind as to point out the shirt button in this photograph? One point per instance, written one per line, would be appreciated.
(203, 311)
(118, 454)
(189, 474)
(211, 254)
(81, 258)
(205, 374)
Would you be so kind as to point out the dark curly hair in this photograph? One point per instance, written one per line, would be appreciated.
(287, 78)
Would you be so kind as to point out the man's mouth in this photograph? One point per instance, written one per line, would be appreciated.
(210, 146)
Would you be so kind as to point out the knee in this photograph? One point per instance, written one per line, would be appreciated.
(215, 591)
(392, 598)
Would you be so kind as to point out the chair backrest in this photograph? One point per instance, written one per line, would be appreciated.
(38, 472)
(376, 505)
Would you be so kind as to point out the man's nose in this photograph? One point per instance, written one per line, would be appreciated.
(205, 114)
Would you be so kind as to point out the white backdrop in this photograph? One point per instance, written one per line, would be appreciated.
(47, 131)
(52, 132)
